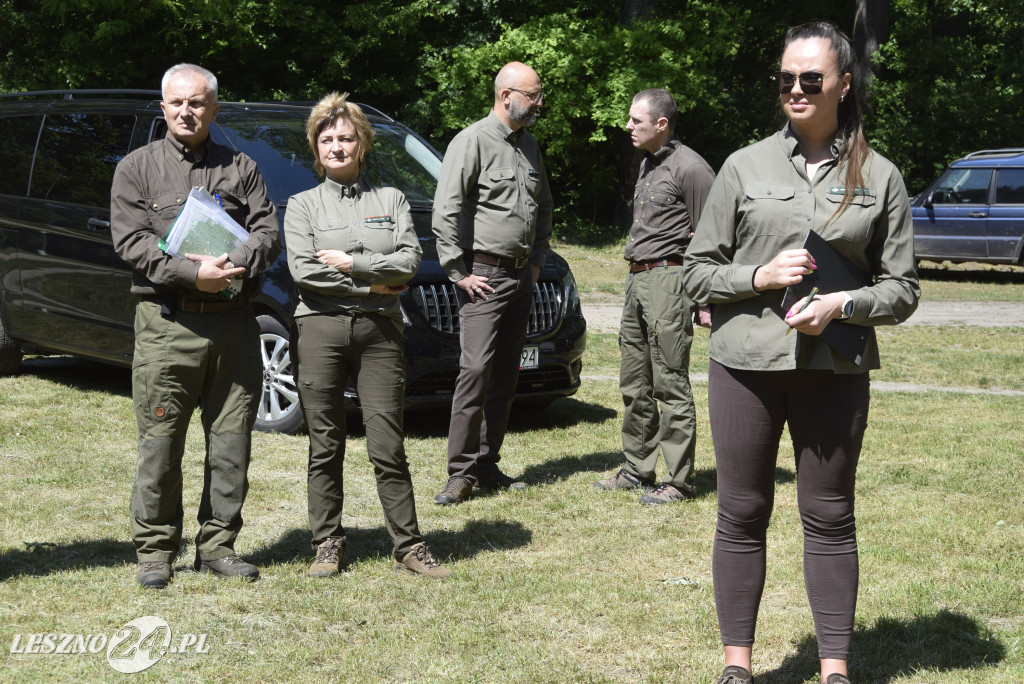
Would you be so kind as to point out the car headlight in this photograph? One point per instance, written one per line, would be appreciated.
(571, 294)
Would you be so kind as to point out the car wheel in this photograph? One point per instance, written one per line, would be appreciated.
(10, 354)
(279, 409)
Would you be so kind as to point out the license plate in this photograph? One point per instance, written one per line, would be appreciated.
(530, 358)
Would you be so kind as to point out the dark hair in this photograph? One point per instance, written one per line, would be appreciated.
(659, 104)
(332, 107)
(856, 149)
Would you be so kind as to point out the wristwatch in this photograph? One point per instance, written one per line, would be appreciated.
(847, 306)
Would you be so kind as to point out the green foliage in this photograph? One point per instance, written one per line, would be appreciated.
(951, 82)
(591, 67)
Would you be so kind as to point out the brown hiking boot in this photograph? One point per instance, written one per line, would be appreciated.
(456, 490)
(419, 561)
(622, 480)
(153, 574)
(328, 556)
(228, 566)
(663, 494)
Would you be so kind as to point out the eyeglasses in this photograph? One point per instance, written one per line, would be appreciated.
(196, 105)
(534, 96)
(810, 81)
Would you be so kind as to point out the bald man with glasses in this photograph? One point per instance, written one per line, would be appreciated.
(492, 219)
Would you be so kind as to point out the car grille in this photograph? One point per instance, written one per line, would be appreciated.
(439, 304)
(442, 383)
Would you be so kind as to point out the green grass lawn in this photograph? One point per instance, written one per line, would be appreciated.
(562, 583)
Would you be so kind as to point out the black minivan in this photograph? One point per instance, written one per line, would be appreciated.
(63, 290)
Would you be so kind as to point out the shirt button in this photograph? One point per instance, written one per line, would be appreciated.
(769, 192)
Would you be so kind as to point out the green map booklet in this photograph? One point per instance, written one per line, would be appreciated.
(203, 227)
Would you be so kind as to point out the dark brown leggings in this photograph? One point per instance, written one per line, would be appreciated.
(827, 415)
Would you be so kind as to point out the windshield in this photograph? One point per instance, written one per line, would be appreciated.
(277, 143)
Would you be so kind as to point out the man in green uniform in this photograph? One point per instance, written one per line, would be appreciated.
(492, 218)
(193, 345)
(657, 319)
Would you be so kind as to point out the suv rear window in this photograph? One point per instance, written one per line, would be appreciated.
(77, 156)
(19, 134)
(1010, 186)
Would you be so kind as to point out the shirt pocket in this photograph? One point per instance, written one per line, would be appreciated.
(765, 209)
(332, 235)
(379, 236)
(855, 223)
(502, 181)
(163, 208)
(231, 203)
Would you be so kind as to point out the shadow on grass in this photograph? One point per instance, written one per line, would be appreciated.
(374, 542)
(45, 558)
(562, 413)
(895, 648)
(80, 374)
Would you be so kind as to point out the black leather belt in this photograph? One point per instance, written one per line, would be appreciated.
(500, 262)
(637, 266)
(203, 306)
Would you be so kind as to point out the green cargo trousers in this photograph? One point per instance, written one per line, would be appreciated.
(655, 335)
(183, 361)
(368, 350)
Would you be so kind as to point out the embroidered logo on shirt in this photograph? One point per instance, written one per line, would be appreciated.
(858, 192)
(378, 219)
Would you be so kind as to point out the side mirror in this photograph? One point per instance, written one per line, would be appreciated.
(929, 200)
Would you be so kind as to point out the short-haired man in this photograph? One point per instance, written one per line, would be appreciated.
(657, 318)
(193, 345)
(492, 218)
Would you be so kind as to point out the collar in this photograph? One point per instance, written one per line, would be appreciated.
(186, 153)
(503, 130)
(792, 146)
(340, 191)
(671, 146)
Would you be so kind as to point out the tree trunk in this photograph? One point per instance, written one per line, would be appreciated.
(871, 29)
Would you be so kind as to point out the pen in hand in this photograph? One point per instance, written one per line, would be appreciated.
(807, 302)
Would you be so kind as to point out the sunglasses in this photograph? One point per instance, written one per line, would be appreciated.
(810, 81)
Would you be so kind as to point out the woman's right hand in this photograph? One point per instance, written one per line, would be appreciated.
(787, 268)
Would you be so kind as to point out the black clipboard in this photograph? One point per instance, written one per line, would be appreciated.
(834, 273)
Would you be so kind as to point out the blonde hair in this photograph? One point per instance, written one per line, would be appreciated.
(326, 112)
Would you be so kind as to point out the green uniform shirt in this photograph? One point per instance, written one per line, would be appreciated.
(372, 224)
(150, 187)
(492, 197)
(762, 203)
(667, 202)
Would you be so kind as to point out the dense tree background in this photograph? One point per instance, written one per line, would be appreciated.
(947, 77)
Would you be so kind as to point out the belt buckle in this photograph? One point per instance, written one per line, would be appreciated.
(521, 261)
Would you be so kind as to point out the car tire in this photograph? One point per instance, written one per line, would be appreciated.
(279, 409)
(10, 354)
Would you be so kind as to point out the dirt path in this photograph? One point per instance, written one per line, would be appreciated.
(603, 311)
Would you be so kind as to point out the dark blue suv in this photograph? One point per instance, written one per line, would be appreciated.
(63, 290)
(975, 211)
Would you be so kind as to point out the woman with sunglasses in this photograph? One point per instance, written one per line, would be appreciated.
(819, 174)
